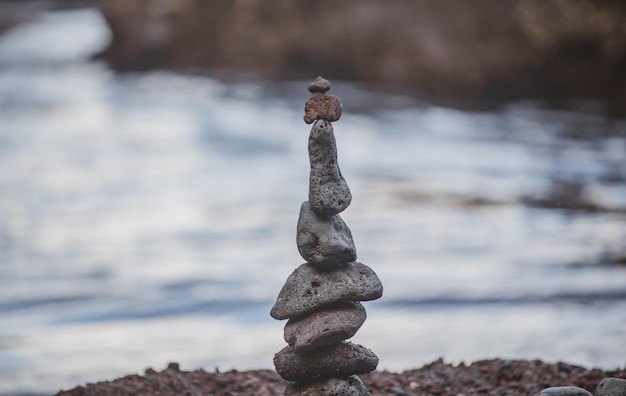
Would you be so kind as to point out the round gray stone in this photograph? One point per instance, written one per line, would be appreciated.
(564, 391)
(611, 387)
(329, 193)
(351, 386)
(324, 241)
(308, 289)
(319, 85)
(333, 324)
(335, 361)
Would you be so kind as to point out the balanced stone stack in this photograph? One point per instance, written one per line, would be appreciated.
(321, 297)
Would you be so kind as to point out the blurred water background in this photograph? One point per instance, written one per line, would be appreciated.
(150, 217)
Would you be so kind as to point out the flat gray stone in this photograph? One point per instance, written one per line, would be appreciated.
(308, 289)
(335, 361)
(329, 193)
(611, 387)
(564, 391)
(324, 241)
(351, 386)
(329, 326)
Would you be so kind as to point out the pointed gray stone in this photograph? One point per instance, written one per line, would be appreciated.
(308, 289)
(564, 391)
(335, 361)
(333, 324)
(324, 241)
(351, 386)
(611, 387)
(329, 193)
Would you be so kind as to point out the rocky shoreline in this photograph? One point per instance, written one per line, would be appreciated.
(486, 377)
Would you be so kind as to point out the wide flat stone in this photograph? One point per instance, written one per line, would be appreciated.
(329, 193)
(611, 387)
(564, 391)
(308, 289)
(324, 241)
(351, 386)
(335, 361)
(322, 107)
(329, 326)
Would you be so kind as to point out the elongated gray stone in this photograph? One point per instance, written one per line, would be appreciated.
(611, 387)
(324, 241)
(335, 361)
(308, 289)
(351, 386)
(564, 391)
(326, 327)
(329, 193)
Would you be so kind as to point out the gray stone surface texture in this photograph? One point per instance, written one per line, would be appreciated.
(564, 391)
(611, 387)
(322, 107)
(329, 193)
(328, 326)
(335, 361)
(351, 386)
(308, 289)
(325, 241)
(319, 85)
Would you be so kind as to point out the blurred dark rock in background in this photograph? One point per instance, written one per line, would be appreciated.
(453, 51)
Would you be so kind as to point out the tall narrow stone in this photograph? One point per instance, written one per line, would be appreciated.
(329, 193)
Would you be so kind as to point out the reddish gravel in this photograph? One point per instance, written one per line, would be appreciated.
(487, 377)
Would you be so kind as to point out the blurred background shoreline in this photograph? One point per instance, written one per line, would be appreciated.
(153, 162)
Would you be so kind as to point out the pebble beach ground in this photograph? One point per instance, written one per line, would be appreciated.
(486, 377)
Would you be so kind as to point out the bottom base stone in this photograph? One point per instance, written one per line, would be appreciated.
(352, 386)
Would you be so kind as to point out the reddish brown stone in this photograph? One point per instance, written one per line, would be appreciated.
(322, 106)
(319, 85)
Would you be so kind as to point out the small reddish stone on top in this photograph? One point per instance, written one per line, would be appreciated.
(321, 106)
(319, 85)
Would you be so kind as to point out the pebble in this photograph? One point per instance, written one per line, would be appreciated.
(329, 193)
(322, 107)
(326, 327)
(324, 241)
(351, 386)
(308, 289)
(335, 361)
(564, 391)
(319, 85)
(611, 387)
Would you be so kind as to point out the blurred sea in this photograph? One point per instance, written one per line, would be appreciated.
(150, 217)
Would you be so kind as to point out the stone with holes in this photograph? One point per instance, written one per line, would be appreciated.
(308, 289)
(611, 387)
(329, 193)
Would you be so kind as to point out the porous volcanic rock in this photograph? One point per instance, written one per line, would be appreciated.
(329, 192)
(308, 289)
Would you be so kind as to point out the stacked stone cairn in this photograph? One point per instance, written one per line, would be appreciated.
(321, 297)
